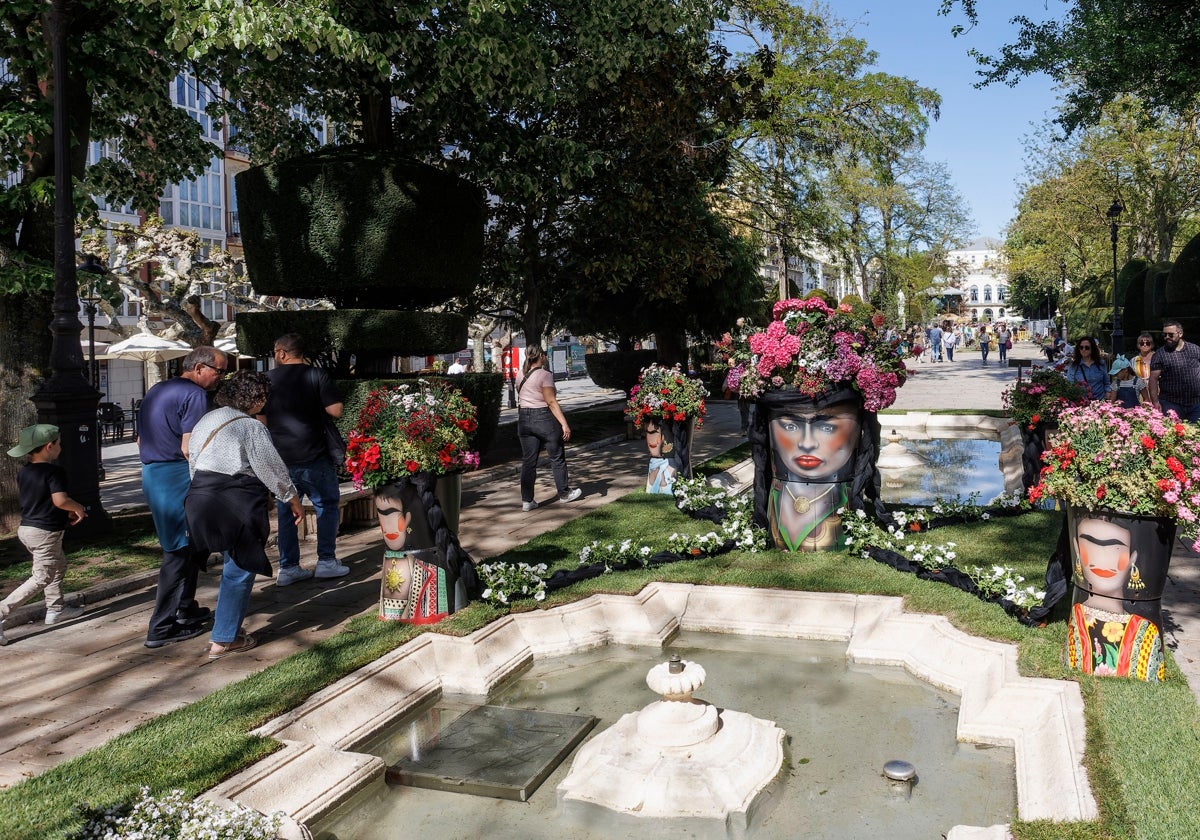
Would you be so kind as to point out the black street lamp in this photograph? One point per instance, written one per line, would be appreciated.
(1062, 285)
(1118, 337)
(67, 399)
(91, 301)
(510, 369)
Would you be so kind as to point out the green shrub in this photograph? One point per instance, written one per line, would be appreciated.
(362, 228)
(356, 330)
(619, 369)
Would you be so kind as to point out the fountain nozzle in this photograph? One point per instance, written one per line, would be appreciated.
(675, 666)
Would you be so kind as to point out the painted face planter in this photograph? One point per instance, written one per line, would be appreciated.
(669, 406)
(1120, 566)
(669, 444)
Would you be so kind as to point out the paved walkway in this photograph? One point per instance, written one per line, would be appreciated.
(72, 687)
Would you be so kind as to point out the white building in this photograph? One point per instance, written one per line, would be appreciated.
(978, 271)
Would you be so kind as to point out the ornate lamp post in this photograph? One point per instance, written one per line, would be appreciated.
(1118, 337)
(91, 265)
(67, 399)
(1062, 285)
(510, 370)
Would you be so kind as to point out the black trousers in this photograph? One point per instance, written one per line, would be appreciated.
(177, 577)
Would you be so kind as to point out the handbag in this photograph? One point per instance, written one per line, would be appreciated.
(1008, 344)
(335, 444)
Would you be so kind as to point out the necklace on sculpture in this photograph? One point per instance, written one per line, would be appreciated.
(803, 504)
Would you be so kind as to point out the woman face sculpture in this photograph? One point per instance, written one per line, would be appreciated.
(815, 444)
(1105, 556)
(654, 440)
(394, 521)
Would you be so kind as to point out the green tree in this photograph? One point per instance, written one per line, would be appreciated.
(1100, 50)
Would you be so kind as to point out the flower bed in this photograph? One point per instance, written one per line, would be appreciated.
(666, 394)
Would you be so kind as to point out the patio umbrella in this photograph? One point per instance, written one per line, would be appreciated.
(145, 347)
(229, 347)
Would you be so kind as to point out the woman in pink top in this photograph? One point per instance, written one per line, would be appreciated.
(540, 422)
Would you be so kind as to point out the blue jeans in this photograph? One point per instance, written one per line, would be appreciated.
(983, 348)
(317, 480)
(233, 599)
(1190, 413)
(536, 427)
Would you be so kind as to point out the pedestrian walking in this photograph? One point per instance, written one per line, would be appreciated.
(1175, 374)
(168, 414)
(985, 341)
(935, 343)
(46, 513)
(1003, 341)
(949, 341)
(233, 464)
(541, 423)
(1087, 369)
(1141, 362)
(302, 400)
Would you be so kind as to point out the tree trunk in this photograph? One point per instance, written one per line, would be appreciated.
(24, 354)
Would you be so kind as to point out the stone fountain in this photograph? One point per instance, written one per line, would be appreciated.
(678, 757)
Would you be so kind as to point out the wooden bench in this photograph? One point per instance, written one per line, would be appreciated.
(355, 507)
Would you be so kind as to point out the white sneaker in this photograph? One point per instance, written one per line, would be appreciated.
(528, 506)
(331, 569)
(291, 574)
(63, 615)
(572, 496)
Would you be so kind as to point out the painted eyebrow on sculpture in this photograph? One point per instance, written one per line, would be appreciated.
(1095, 541)
(388, 510)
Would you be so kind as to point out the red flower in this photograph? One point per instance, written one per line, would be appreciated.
(1035, 493)
(412, 466)
(1164, 484)
(666, 392)
(914, 526)
(1101, 492)
(1180, 429)
(1035, 419)
(1176, 468)
(1147, 441)
(680, 416)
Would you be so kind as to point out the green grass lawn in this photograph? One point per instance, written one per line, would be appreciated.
(1142, 739)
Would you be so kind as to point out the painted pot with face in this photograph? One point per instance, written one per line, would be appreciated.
(669, 443)
(809, 450)
(1120, 566)
(418, 585)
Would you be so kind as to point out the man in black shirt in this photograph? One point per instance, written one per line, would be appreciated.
(1175, 375)
(301, 398)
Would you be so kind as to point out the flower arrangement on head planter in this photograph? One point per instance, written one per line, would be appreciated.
(1134, 460)
(816, 348)
(410, 428)
(666, 394)
(1041, 398)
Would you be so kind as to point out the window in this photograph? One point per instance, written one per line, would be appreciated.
(193, 96)
(98, 151)
(198, 203)
(1001, 293)
(974, 294)
(987, 294)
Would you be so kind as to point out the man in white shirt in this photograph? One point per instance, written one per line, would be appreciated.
(456, 367)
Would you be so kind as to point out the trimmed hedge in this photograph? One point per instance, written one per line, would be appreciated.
(483, 389)
(361, 227)
(355, 330)
(619, 369)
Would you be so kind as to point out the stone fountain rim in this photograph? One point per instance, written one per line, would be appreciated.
(319, 767)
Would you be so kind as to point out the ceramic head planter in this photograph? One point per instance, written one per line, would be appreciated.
(1120, 565)
(418, 582)
(667, 443)
(812, 457)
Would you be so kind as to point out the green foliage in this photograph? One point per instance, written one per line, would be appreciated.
(362, 228)
(619, 369)
(23, 274)
(355, 330)
(484, 390)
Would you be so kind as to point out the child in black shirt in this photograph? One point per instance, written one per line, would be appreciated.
(46, 511)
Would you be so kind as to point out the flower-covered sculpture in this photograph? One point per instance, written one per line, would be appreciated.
(818, 375)
(667, 403)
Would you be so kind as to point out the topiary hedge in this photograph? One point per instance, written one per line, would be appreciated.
(482, 389)
(362, 228)
(355, 330)
(619, 369)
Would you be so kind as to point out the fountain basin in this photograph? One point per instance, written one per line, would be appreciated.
(320, 765)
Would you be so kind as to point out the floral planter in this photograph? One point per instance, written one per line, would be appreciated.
(669, 443)
(806, 453)
(1120, 564)
(421, 580)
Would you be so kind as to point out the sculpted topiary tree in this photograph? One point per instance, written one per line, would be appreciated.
(375, 233)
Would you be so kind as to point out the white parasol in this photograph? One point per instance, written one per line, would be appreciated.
(145, 347)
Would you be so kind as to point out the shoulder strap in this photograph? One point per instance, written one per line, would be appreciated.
(209, 439)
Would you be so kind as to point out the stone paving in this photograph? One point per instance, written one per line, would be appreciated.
(74, 686)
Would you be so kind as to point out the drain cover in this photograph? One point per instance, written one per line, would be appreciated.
(493, 751)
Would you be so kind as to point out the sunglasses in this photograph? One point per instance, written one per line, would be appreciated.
(1170, 335)
(1085, 347)
(221, 371)
(1148, 343)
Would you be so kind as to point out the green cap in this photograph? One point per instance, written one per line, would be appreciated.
(32, 437)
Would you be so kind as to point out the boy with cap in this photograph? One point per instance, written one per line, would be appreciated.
(1127, 387)
(46, 511)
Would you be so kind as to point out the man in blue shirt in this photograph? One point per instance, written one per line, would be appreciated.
(166, 418)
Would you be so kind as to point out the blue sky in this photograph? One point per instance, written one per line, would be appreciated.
(980, 132)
